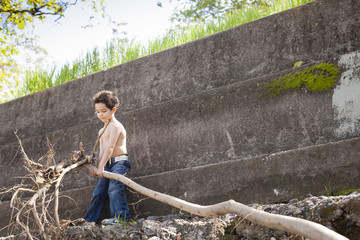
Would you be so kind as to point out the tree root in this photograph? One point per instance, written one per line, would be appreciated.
(45, 179)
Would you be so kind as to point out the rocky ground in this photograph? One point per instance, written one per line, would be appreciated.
(341, 213)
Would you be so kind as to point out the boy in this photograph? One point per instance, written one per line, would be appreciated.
(112, 157)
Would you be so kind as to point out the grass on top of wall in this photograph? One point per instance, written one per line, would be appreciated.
(121, 50)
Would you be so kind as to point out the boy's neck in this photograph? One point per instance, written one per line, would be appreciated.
(112, 119)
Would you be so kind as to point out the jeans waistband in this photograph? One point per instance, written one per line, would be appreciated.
(123, 157)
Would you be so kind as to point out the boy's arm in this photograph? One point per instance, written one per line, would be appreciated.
(107, 150)
(98, 155)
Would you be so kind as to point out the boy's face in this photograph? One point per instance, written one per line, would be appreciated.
(103, 112)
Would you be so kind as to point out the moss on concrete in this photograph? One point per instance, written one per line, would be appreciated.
(347, 191)
(320, 77)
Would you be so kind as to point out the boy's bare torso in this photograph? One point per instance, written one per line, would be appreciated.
(120, 145)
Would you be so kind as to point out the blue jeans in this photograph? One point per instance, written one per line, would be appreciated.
(112, 189)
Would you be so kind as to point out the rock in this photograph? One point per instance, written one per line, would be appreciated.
(354, 193)
(228, 217)
(154, 238)
(150, 227)
(267, 209)
(292, 201)
(341, 214)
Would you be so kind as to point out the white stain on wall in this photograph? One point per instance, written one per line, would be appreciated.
(346, 97)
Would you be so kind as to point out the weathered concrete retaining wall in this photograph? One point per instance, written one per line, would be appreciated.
(196, 128)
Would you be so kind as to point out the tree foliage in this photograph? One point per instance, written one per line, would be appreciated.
(17, 19)
(199, 10)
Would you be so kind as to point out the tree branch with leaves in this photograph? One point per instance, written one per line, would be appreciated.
(190, 11)
(18, 19)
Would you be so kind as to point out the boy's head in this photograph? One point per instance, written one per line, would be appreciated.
(106, 97)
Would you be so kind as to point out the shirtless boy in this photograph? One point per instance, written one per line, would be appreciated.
(112, 157)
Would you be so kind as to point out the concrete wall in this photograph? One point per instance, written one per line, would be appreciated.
(196, 128)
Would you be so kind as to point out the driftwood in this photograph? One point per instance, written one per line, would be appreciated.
(306, 228)
(46, 177)
(44, 191)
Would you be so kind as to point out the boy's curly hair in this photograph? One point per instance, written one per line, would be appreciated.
(106, 97)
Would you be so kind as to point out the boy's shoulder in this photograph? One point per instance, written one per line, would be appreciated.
(112, 125)
(116, 125)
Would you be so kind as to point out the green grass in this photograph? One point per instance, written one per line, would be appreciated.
(121, 51)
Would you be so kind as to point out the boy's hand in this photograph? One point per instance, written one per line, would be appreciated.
(92, 172)
(100, 172)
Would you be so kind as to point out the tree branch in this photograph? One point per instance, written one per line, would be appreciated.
(44, 177)
(299, 226)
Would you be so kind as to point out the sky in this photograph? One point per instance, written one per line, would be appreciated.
(66, 39)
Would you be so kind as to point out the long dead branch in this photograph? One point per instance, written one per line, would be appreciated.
(294, 225)
(45, 176)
